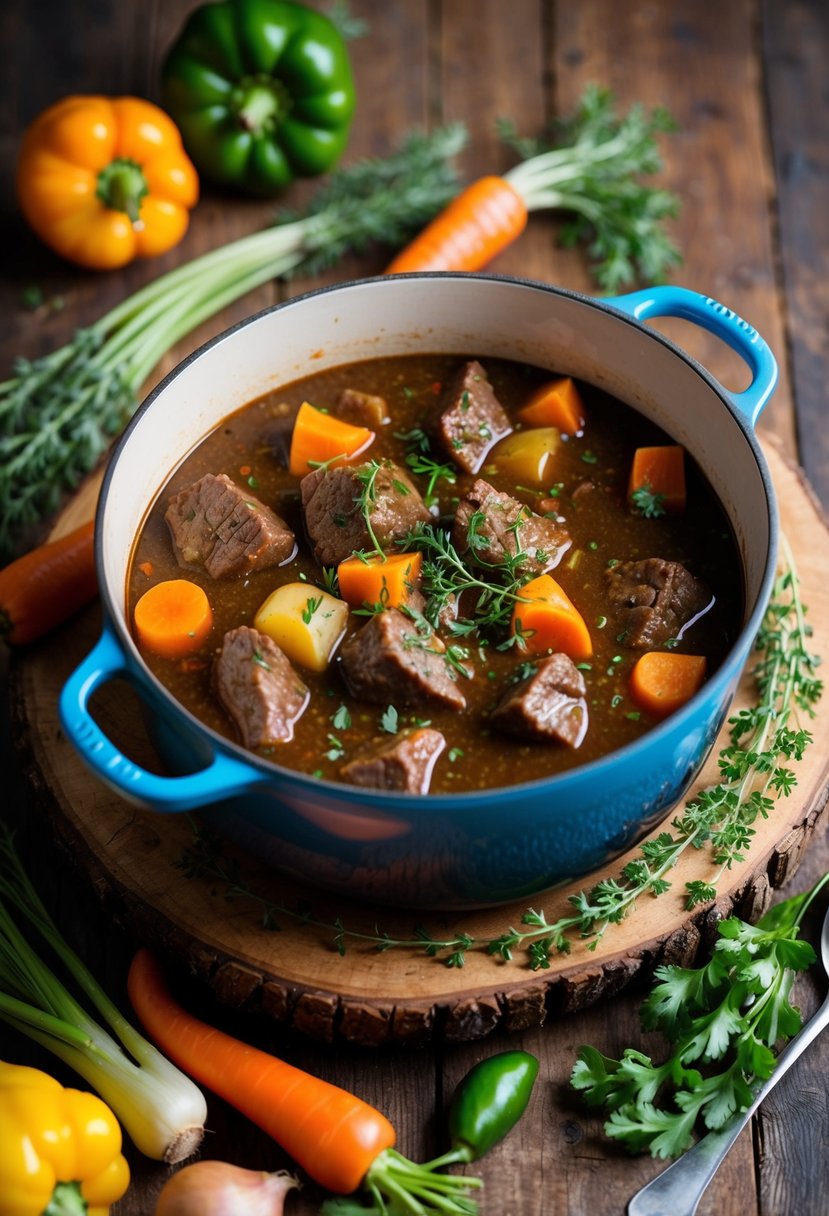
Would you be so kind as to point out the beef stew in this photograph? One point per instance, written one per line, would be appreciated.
(442, 690)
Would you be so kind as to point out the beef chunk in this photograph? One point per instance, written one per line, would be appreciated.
(653, 599)
(362, 409)
(217, 525)
(548, 703)
(334, 518)
(485, 526)
(390, 662)
(258, 688)
(402, 763)
(470, 417)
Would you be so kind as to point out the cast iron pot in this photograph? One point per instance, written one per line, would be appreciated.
(433, 851)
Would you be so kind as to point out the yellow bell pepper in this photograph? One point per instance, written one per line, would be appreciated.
(60, 1149)
(104, 180)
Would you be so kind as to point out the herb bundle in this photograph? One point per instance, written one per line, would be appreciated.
(754, 772)
(727, 1016)
(59, 412)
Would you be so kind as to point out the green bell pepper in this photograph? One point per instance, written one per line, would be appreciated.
(262, 92)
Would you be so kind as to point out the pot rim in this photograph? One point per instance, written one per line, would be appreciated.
(386, 799)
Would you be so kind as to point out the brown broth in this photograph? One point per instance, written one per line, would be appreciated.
(602, 528)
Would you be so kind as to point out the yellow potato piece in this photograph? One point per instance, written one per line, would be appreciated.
(305, 622)
(526, 455)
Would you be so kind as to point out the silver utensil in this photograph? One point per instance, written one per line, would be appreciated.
(678, 1189)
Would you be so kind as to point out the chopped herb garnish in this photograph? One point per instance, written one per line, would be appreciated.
(647, 503)
(454, 754)
(617, 700)
(424, 466)
(634, 715)
(311, 605)
(253, 483)
(259, 658)
(388, 720)
(341, 718)
(601, 621)
(325, 465)
(589, 457)
(335, 749)
(330, 580)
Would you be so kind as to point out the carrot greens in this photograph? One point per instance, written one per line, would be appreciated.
(59, 412)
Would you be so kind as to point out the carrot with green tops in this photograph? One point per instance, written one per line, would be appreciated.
(557, 404)
(657, 480)
(341, 1141)
(44, 587)
(320, 439)
(593, 171)
(374, 580)
(546, 619)
(173, 618)
(662, 681)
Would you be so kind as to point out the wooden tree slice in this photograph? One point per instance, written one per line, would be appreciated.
(296, 975)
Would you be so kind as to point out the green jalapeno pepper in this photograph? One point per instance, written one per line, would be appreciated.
(488, 1103)
(262, 92)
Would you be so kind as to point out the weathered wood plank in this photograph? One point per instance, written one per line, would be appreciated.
(795, 40)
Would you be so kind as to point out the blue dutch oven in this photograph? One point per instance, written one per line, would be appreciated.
(433, 851)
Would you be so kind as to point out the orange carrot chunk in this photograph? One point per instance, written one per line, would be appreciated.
(319, 438)
(556, 404)
(660, 472)
(374, 581)
(662, 681)
(173, 618)
(547, 620)
(479, 222)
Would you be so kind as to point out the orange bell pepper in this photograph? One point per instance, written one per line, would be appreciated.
(105, 180)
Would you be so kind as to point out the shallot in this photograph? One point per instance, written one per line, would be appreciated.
(214, 1188)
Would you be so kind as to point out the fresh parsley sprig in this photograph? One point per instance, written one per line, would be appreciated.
(726, 1017)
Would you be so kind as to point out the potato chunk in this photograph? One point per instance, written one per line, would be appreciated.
(305, 622)
(526, 455)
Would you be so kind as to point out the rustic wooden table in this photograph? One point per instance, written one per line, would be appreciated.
(746, 83)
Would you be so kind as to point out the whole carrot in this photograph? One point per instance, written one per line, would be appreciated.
(475, 227)
(47, 585)
(339, 1140)
(593, 171)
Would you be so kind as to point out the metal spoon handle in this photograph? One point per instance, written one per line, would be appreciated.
(679, 1188)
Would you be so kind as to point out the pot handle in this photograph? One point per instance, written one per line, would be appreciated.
(723, 323)
(223, 777)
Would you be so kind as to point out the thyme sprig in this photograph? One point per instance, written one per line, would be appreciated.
(754, 772)
(59, 412)
(446, 576)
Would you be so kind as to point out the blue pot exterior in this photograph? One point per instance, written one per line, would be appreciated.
(441, 851)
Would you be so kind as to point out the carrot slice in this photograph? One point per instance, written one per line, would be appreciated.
(548, 620)
(662, 681)
(374, 581)
(661, 472)
(173, 618)
(479, 222)
(556, 404)
(319, 438)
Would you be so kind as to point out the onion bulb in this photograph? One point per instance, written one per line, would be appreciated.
(214, 1188)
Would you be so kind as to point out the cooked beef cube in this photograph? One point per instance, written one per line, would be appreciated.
(470, 417)
(216, 524)
(402, 763)
(258, 687)
(362, 409)
(334, 518)
(390, 662)
(491, 527)
(548, 703)
(654, 599)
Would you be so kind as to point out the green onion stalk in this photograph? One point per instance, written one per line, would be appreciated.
(160, 1108)
(58, 413)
